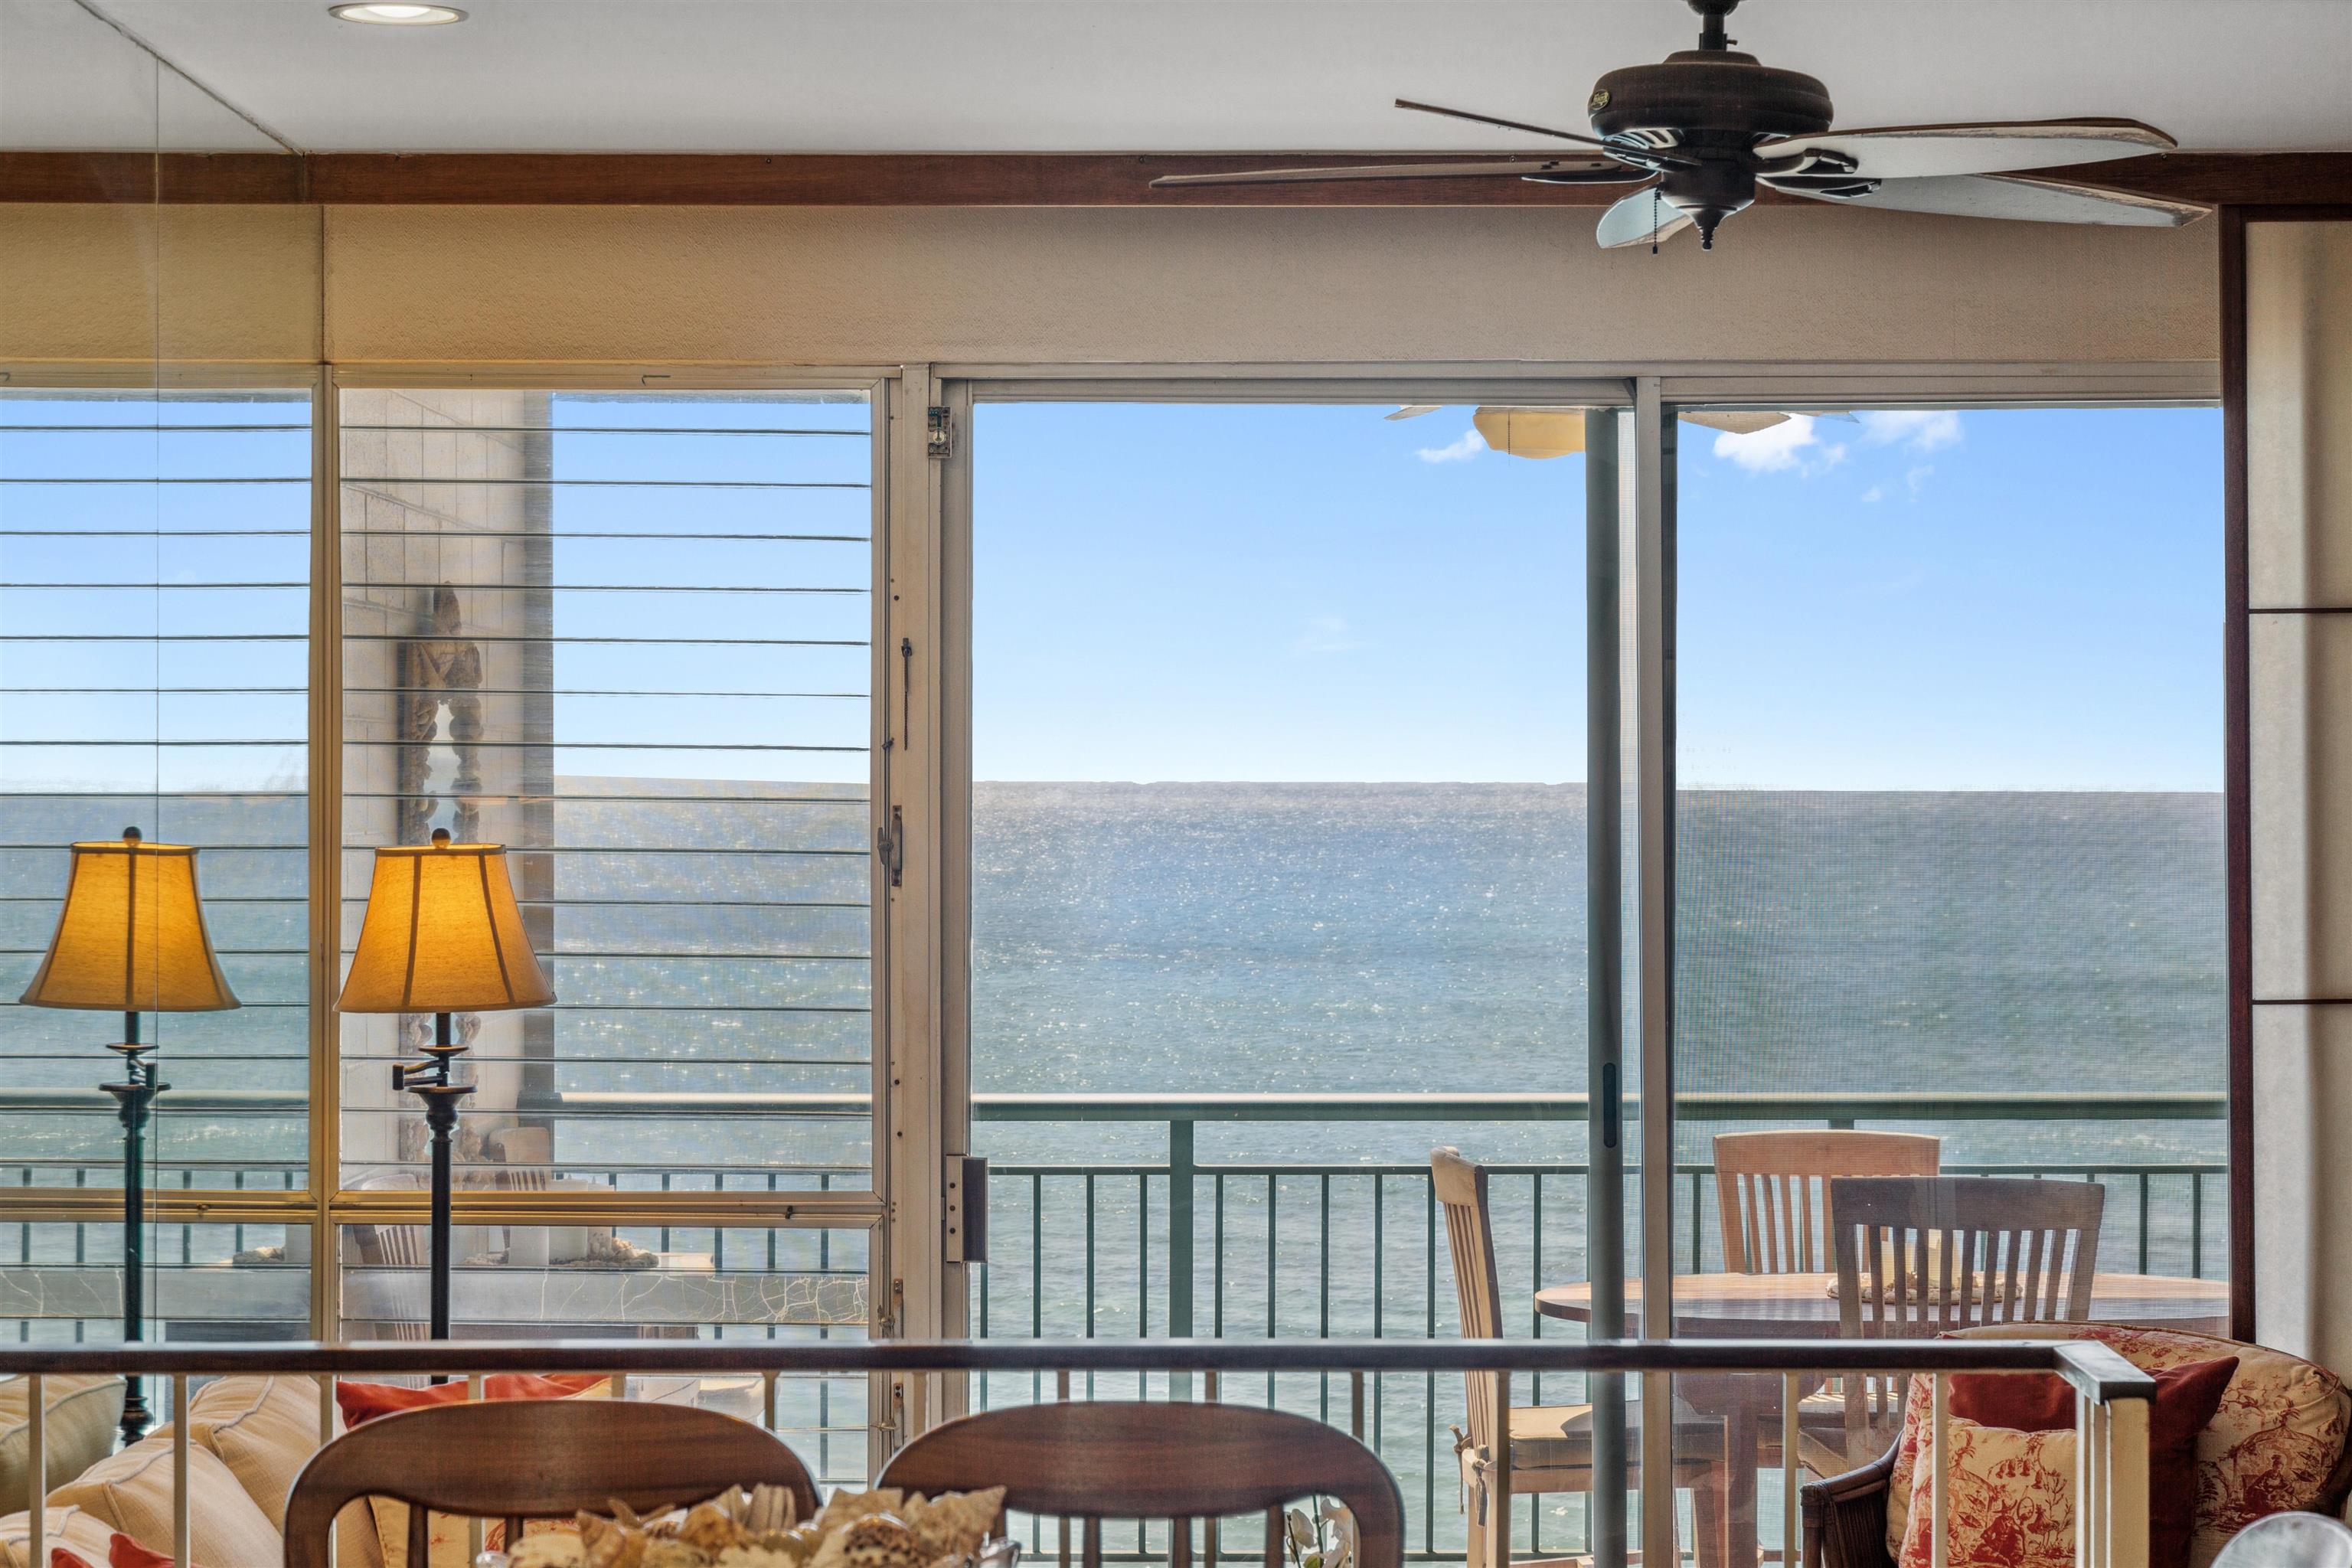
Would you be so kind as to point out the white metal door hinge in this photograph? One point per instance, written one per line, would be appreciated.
(938, 433)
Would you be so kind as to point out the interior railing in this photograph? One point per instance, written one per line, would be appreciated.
(2112, 1396)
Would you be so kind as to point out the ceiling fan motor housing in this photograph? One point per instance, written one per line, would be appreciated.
(1710, 106)
(1719, 90)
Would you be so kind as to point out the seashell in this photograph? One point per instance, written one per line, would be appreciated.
(882, 1541)
(554, 1550)
(710, 1528)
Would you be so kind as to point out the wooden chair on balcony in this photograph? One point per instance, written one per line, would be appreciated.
(1090, 1461)
(1508, 1452)
(517, 1459)
(1772, 1189)
(1920, 1256)
(1772, 1197)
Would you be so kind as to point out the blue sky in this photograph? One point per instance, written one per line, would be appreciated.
(2015, 599)
(2019, 599)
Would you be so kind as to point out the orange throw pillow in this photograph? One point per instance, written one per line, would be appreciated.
(121, 1552)
(365, 1401)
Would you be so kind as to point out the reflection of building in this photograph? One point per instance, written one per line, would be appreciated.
(449, 712)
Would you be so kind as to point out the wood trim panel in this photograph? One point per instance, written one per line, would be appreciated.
(2237, 774)
(953, 180)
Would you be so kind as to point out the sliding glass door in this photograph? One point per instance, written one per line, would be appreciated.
(1279, 875)
(1948, 852)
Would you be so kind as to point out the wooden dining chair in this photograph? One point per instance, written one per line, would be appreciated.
(521, 1459)
(1772, 1198)
(1089, 1461)
(1920, 1256)
(1772, 1189)
(1529, 1449)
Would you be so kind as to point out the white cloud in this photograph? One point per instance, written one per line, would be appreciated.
(1917, 477)
(1461, 451)
(1913, 429)
(1792, 446)
(1874, 494)
(1325, 636)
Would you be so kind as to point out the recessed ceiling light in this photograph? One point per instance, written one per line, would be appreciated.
(399, 15)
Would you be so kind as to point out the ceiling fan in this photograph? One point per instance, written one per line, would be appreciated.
(1520, 431)
(1705, 126)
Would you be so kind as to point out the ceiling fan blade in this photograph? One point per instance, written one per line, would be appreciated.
(1491, 120)
(1538, 433)
(1414, 411)
(1994, 196)
(2000, 147)
(1640, 220)
(1520, 169)
(1737, 421)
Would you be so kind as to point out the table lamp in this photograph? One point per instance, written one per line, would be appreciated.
(131, 940)
(442, 934)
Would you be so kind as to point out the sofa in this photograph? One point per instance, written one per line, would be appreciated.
(248, 1437)
(2277, 1444)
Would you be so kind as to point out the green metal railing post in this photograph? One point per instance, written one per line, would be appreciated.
(1179, 1246)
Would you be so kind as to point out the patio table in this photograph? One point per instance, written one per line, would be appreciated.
(1799, 1306)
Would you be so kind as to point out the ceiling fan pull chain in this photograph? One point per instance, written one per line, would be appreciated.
(1653, 220)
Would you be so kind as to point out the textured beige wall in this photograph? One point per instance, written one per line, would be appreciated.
(132, 284)
(2299, 550)
(777, 286)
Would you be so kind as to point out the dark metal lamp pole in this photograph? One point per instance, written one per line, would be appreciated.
(441, 1098)
(132, 1099)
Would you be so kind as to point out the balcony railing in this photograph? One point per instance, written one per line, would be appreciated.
(2113, 1407)
(1171, 1241)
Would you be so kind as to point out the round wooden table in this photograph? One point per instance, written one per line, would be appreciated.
(1799, 1306)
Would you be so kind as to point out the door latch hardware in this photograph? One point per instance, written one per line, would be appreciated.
(938, 434)
(890, 845)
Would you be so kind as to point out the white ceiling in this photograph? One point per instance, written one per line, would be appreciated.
(1124, 75)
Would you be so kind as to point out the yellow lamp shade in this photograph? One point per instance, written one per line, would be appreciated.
(132, 937)
(442, 934)
(1532, 432)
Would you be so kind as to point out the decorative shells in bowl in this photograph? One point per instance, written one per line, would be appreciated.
(884, 1528)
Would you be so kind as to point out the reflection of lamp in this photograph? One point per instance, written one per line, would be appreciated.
(442, 934)
(131, 940)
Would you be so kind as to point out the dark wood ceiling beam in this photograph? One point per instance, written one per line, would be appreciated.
(953, 180)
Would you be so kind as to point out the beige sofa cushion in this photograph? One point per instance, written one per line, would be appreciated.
(83, 1535)
(132, 1491)
(83, 1412)
(265, 1429)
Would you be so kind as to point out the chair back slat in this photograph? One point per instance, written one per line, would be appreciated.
(1460, 1188)
(1094, 1460)
(533, 1459)
(1960, 1241)
(1772, 1189)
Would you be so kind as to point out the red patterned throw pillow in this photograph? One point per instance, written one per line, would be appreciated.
(1996, 1406)
(2012, 1503)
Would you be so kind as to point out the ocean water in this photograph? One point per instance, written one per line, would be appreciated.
(1348, 938)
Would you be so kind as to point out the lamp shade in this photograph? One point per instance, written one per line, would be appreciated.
(132, 937)
(442, 934)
